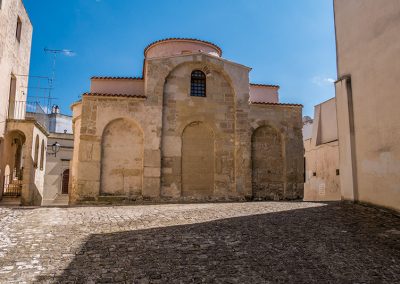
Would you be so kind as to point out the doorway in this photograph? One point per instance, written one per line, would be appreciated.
(65, 181)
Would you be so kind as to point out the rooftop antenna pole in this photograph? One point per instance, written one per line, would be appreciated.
(54, 53)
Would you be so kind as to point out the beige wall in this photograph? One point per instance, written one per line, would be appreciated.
(264, 94)
(14, 58)
(322, 155)
(325, 118)
(33, 174)
(118, 86)
(323, 160)
(55, 166)
(177, 47)
(368, 47)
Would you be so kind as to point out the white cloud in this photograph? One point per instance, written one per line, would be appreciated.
(322, 81)
(68, 53)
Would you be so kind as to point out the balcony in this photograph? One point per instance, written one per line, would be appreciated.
(19, 110)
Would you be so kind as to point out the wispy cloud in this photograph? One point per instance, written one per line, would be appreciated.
(322, 81)
(68, 53)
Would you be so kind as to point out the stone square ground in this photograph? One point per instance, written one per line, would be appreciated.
(260, 242)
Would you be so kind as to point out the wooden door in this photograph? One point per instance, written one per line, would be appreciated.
(65, 181)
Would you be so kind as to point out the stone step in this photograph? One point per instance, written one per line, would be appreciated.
(14, 201)
(61, 200)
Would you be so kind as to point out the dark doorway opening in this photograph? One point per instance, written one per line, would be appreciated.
(65, 181)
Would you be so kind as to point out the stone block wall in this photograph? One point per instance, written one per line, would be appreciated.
(190, 148)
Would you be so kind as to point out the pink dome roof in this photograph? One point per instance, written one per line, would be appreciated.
(177, 46)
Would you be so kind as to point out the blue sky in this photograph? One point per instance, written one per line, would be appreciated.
(287, 42)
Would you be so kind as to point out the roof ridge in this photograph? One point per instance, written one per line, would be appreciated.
(114, 95)
(116, 78)
(277, 104)
(265, 85)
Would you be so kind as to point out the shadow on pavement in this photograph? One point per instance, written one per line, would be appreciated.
(337, 243)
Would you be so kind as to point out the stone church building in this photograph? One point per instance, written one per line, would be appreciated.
(192, 129)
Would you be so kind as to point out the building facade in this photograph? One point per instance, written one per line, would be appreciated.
(321, 145)
(56, 181)
(367, 97)
(59, 154)
(22, 139)
(192, 129)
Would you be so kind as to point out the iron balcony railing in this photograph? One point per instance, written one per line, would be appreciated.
(19, 109)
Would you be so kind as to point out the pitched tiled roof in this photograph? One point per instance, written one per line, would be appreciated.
(265, 85)
(115, 78)
(183, 39)
(275, 104)
(114, 95)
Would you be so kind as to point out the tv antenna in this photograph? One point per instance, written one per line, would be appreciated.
(54, 53)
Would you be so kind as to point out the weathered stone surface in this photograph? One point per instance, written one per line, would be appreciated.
(261, 242)
(194, 148)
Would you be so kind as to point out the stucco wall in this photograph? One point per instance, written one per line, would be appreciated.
(368, 46)
(55, 166)
(117, 86)
(322, 181)
(264, 94)
(171, 48)
(59, 123)
(323, 160)
(33, 175)
(14, 57)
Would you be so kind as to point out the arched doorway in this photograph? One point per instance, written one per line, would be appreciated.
(122, 159)
(267, 164)
(197, 160)
(13, 173)
(65, 181)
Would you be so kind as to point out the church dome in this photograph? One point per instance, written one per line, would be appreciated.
(178, 46)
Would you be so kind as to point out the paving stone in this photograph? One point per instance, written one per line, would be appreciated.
(260, 242)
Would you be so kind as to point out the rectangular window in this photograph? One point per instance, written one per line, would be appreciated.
(19, 29)
(1, 2)
(12, 95)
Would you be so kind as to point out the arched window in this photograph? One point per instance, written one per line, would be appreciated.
(42, 156)
(36, 156)
(198, 84)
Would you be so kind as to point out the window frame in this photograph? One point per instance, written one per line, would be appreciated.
(198, 84)
(18, 32)
(36, 153)
(42, 155)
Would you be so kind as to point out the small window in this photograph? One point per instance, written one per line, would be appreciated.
(198, 84)
(19, 29)
(1, 2)
(337, 172)
(42, 156)
(36, 155)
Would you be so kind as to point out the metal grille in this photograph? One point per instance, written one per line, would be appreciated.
(198, 84)
(12, 188)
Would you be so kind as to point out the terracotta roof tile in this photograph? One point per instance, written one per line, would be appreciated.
(115, 95)
(265, 85)
(183, 39)
(115, 78)
(275, 104)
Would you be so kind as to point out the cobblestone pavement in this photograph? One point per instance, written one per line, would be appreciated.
(266, 242)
